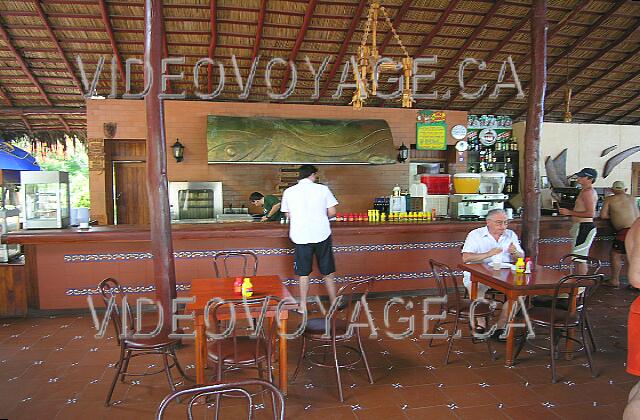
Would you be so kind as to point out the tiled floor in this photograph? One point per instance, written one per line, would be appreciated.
(53, 367)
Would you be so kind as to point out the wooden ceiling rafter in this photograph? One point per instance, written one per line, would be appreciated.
(56, 44)
(213, 41)
(25, 69)
(624, 38)
(610, 89)
(104, 11)
(567, 51)
(507, 39)
(355, 21)
(397, 20)
(453, 60)
(616, 106)
(311, 7)
(426, 42)
(553, 32)
(259, 29)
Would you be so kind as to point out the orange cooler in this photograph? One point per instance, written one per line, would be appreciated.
(466, 183)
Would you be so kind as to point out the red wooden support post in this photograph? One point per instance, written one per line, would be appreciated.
(535, 116)
(164, 273)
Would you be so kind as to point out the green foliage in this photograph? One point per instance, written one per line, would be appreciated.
(74, 161)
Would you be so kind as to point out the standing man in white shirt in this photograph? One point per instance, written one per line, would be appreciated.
(490, 243)
(309, 207)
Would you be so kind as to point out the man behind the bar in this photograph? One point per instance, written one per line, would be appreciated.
(622, 210)
(483, 245)
(309, 207)
(270, 204)
(583, 230)
(632, 244)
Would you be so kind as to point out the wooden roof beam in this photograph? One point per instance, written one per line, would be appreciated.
(453, 60)
(25, 69)
(629, 113)
(56, 44)
(406, 4)
(609, 90)
(627, 34)
(554, 31)
(516, 28)
(112, 39)
(311, 6)
(43, 110)
(213, 41)
(256, 43)
(5, 97)
(616, 6)
(616, 106)
(23, 65)
(439, 24)
(344, 47)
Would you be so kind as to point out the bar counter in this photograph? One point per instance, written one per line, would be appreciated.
(65, 265)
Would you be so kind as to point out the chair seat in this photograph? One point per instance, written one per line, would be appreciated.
(482, 309)
(237, 350)
(156, 342)
(316, 328)
(542, 316)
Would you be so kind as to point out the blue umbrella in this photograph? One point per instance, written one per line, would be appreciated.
(12, 157)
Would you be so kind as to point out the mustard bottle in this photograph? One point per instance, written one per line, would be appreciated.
(247, 288)
(520, 265)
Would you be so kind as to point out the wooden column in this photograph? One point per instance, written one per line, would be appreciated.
(535, 116)
(164, 273)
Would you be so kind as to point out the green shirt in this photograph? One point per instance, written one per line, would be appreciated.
(269, 202)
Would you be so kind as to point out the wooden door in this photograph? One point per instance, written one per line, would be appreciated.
(130, 193)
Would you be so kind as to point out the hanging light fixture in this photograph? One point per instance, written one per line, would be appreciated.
(567, 95)
(368, 56)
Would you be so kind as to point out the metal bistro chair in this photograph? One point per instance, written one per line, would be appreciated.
(456, 306)
(161, 344)
(339, 321)
(221, 388)
(225, 259)
(561, 321)
(569, 260)
(239, 349)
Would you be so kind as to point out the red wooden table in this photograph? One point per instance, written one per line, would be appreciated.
(209, 288)
(542, 281)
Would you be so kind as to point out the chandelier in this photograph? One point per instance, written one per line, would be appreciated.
(368, 57)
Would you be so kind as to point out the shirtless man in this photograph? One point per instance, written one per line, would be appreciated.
(632, 243)
(622, 210)
(583, 230)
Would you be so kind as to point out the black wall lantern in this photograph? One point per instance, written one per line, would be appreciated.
(403, 153)
(178, 151)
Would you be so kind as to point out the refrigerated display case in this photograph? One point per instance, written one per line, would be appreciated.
(9, 222)
(193, 202)
(45, 195)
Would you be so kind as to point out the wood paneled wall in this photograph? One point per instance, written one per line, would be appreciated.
(355, 186)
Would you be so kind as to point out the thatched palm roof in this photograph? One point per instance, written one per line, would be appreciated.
(592, 47)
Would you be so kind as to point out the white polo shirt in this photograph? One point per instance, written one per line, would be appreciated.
(307, 204)
(480, 240)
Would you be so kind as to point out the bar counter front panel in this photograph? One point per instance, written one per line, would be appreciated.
(66, 266)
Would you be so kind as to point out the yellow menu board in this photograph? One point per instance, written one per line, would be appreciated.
(431, 131)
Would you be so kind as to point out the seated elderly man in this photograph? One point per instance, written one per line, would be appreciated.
(493, 242)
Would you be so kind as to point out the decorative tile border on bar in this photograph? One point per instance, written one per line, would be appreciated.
(137, 256)
(185, 287)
